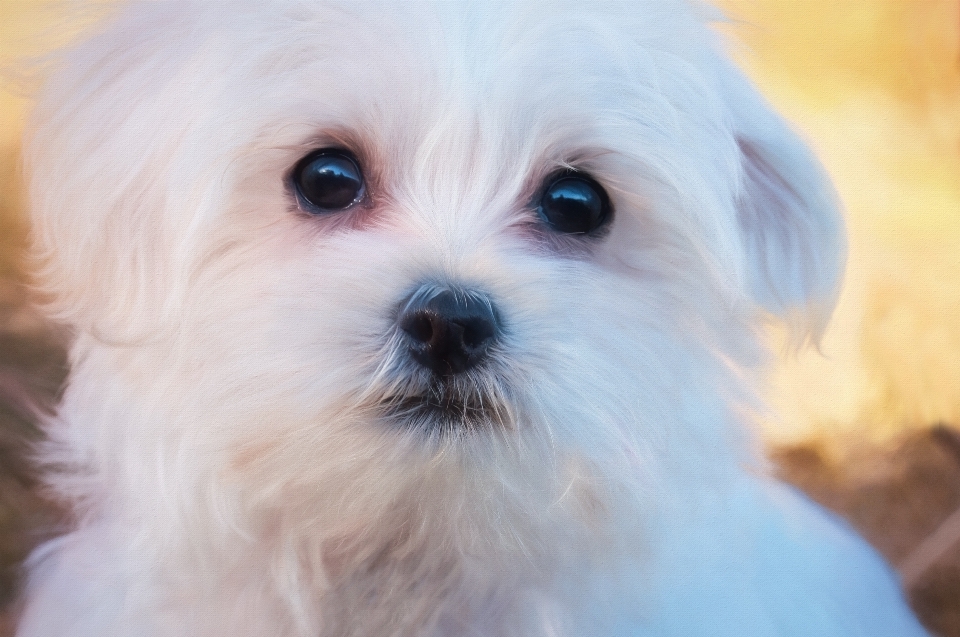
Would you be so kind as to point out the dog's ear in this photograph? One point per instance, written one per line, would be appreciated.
(104, 154)
(789, 214)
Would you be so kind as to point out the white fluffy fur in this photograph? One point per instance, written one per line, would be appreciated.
(219, 439)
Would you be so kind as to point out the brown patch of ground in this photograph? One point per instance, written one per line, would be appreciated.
(32, 369)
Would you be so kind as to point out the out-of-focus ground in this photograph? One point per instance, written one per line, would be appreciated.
(867, 429)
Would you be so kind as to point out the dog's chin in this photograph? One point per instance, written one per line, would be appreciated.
(446, 410)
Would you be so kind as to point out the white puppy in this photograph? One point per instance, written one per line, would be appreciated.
(424, 319)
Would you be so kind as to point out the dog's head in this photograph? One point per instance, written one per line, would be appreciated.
(336, 239)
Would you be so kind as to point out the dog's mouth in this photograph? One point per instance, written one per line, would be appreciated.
(445, 409)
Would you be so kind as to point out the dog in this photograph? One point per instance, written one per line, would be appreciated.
(428, 319)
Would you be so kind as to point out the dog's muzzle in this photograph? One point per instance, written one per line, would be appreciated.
(449, 378)
(449, 330)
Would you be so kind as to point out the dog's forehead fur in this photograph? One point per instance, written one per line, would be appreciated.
(458, 107)
(447, 109)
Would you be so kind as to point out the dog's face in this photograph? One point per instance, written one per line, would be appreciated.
(379, 247)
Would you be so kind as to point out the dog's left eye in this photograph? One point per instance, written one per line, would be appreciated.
(574, 203)
(328, 181)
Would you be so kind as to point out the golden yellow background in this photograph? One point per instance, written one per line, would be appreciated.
(874, 85)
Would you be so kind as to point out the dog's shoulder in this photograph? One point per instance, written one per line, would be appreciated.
(765, 560)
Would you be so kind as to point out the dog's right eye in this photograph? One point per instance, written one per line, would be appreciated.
(328, 181)
(574, 203)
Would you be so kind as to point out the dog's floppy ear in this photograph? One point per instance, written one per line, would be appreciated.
(789, 214)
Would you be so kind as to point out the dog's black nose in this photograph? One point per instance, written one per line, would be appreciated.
(450, 330)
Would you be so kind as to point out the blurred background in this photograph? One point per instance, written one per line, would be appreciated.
(874, 85)
(867, 426)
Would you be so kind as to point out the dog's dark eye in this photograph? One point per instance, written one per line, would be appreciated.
(328, 181)
(574, 203)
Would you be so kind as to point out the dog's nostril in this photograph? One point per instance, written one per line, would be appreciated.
(419, 326)
(476, 333)
(449, 331)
